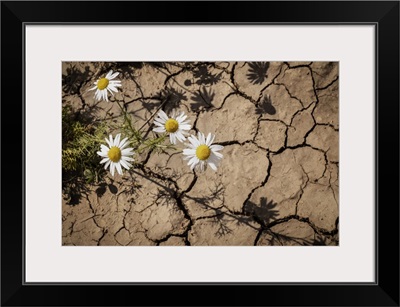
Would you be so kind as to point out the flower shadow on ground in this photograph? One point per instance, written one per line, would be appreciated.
(265, 212)
(202, 75)
(174, 96)
(74, 78)
(203, 98)
(265, 106)
(257, 72)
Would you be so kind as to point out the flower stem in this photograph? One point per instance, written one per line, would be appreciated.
(154, 113)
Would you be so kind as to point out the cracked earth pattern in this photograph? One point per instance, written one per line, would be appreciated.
(278, 183)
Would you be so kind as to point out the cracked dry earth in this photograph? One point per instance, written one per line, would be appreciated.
(276, 185)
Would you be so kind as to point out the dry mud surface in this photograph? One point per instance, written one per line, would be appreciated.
(277, 183)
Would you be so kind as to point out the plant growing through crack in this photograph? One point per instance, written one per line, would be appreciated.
(89, 150)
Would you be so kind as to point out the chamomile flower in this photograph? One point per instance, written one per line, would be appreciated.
(202, 152)
(116, 154)
(105, 85)
(175, 125)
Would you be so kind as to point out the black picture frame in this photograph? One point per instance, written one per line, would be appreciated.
(383, 14)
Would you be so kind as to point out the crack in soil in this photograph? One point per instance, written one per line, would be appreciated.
(177, 194)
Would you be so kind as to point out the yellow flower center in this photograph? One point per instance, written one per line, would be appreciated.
(171, 125)
(114, 154)
(203, 152)
(102, 83)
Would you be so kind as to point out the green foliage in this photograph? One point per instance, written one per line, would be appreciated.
(139, 143)
(156, 144)
(80, 143)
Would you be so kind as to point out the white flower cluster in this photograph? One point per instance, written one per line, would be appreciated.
(200, 150)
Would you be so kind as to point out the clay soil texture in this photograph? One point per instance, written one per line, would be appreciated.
(278, 181)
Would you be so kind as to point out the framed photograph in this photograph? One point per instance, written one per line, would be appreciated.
(239, 146)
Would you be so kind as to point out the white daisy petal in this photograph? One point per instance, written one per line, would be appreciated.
(194, 141)
(107, 164)
(208, 139)
(99, 95)
(217, 154)
(119, 169)
(112, 168)
(104, 160)
(202, 166)
(159, 129)
(187, 151)
(125, 164)
(109, 142)
(180, 136)
(213, 159)
(114, 75)
(185, 127)
(187, 158)
(190, 145)
(127, 151)
(126, 158)
(123, 143)
(194, 160)
(162, 114)
(172, 138)
(199, 137)
(160, 120)
(117, 139)
(159, 124)
(211, 140)
(112, 89)
(180, 119)
(108, 89)
(115, 82)
(104, 148)
(202, 139)
(183, 137)
(109, 74)
(216, 147)
(102, 154)
(212, 165)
